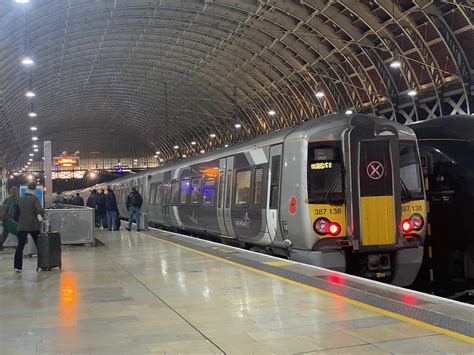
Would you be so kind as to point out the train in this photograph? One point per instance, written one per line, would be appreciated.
(343, 192)
(447, 153)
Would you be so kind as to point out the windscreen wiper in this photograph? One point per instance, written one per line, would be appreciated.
(328, 197)
(405, 191)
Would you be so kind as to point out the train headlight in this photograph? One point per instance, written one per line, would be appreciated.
(407, 226)
(323, 226)
(417, 221)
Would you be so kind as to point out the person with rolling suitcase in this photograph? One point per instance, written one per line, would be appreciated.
(29, 209)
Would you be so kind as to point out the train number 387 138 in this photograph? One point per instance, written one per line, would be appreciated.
(327, 211)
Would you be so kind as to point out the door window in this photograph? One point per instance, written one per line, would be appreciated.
(257, 186)
(195, 191)
(243, 179)
(208, 192)
(275, 182)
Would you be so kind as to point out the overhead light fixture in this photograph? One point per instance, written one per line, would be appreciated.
(176, 147)
(27, 61)
(349, 112)
(161, 160)
(226, 146)
(22, 1)
(319, 94)
(35, 146)
(203, 151)
(32, 155)
(92, 175)
(35, 150)
(412, 93)
(212, 135)
(33, 128)
(135, 160)
(34, 138)
(184, 155)
(30, 94)
(30, 159)
(395, 64)
(272, 112)
(157, 152)
(193, 143)
(32, 114)
(30, 177)
(237, 125)
(155, 156)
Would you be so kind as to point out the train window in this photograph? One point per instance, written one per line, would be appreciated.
(275, 182)
(410, 169)
(175, 192)
(195, 191)
(228, 188)
(208, 192)
(325, 181)
(243, 179)
(183, 197)
(257, 185)
(220, 193)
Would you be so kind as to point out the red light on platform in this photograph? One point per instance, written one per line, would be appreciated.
(336, 279)
(408, 299)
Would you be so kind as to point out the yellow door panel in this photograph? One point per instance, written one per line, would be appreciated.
(377, 220)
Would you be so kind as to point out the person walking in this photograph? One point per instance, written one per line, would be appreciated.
(92, 203)
(112, 208)
(10, 219)
(101, 209)
(30, 208)
(134, 204)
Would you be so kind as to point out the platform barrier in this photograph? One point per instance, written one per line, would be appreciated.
(75, 223)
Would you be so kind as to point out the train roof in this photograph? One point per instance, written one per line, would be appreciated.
(446, 127)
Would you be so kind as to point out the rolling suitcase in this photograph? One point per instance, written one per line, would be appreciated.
(49, 251)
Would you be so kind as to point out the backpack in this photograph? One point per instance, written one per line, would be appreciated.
(135, 200)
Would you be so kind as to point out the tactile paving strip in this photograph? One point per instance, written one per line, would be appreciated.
(405, 305)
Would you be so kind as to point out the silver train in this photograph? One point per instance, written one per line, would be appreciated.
(341, 192)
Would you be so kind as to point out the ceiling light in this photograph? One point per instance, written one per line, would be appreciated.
(92, 175)
(161, 160)
(193, 143)
(349, 112)
(157, 152)
(272, 112)
(27, 61)
(184, 155)
(35, 150)
(32, 155)
(30, 159)
(135, 160)
(35, 146)
(30, 177)
(176, 147)
(212, 135)
(32, 114)
(412, 93)
(395, 64)
(22, 1)
(226, 146)
(34, 138)
(237, 125)
(203, 151)
(30, 94)
(319, 94)
(155, 156)
(33, 128)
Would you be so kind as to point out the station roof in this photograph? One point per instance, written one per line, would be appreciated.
(161, 73)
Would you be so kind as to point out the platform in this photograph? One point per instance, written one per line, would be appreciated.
(159, 292)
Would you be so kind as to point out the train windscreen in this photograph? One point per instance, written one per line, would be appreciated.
(410, 172)
(325, 181)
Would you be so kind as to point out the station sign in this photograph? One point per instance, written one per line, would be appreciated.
(66, 161)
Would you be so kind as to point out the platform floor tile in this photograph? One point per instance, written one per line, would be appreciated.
(136, 294)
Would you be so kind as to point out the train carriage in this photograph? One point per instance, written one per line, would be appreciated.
(342, 191)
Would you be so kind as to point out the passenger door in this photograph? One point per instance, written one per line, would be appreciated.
(229, 175)
(273, 194)
(166, 197)
(221, 195)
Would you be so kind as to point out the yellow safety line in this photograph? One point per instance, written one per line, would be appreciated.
(418, 323)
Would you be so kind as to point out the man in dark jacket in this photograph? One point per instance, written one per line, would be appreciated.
(78, 200)
(134, 203)
(101, 209)
(10, 219)
(111, 207)
(30, 208)
(92, 203)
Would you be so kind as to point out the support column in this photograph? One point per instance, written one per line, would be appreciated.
(48, 176)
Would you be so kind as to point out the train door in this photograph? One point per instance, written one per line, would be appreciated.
(273, 193)
(372, 160)
(228, 192)
(166, 197)
(220, 196)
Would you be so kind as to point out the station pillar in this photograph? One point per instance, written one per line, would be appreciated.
(48, 176)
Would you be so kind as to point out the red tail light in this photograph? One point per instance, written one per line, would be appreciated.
(407, 226)
(324, 226)
(415, 222)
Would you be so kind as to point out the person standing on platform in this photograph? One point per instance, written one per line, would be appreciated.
(10, 219)
(112, 208)
(92, 203)
(78, 200)
(134, 203)
(101, 209)
(30, 208)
